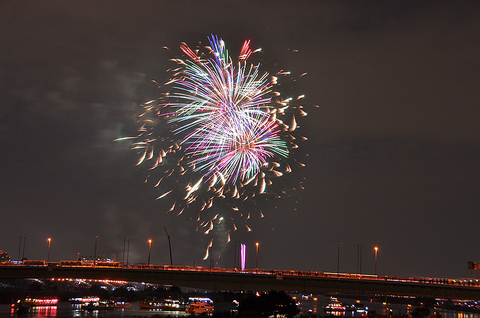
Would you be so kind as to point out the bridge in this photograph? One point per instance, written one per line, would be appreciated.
(220, 279)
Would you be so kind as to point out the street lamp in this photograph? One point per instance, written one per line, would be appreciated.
(48, 256)
(123, 255)
(256, 259)
(23, 253)
(19, 248)
(128, 249)
(169, 245)
(376, 251)
(95, 253)
(149, 250)
(338, 259)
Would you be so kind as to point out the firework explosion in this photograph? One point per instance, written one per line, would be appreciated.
(221, 133)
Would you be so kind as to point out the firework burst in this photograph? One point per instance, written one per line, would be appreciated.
(221, 133)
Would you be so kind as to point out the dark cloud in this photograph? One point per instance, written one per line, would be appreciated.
(393, 144)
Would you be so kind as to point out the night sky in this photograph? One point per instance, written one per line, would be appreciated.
(392, 93)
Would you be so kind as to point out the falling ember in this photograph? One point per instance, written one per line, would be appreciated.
(165, 194)
(181, 211)
(208, 247)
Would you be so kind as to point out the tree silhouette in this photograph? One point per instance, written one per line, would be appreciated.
(420, 312)
(265, 305)
(279, 303)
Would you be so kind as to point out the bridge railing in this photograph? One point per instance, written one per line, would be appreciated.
(117, 265)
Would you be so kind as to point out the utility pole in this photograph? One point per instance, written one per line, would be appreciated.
(256, 258)
(128, 249)
(19, 248)
(338, 259)
(123, 255)
(23, 253)
(360, 260)
(95, 253)
(49, 240)
(169, 245)
(149, 251)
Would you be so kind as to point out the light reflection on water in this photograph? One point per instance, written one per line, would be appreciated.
(454, 314)
(66, 309)
(314, 305)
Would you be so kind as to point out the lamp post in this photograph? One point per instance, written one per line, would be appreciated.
(358, 257)
(19, 248)
(48, 256)
(123, 255)
(23, 253)
(149, 250)
(376, 251)
(256, 259)
(128, 249)
(95, 252)
(338, 259)
(360, 268)
(169, 245)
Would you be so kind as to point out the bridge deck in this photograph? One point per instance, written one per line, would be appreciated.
(224, 279)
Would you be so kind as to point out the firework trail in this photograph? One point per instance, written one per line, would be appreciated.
(221, 133)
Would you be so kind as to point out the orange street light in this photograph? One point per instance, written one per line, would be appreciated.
(48, 256)
(95, 253)
(376, 251)
(149, 250)
(256, 259)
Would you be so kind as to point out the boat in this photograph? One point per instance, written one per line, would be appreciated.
(150, 304)
(360, 308)
(199, 307)
(36, 302)
(165, 304)
(173, 304)
(23, 305)
(122, 304)
(99, 305)
(82, 300)
(336, 306)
